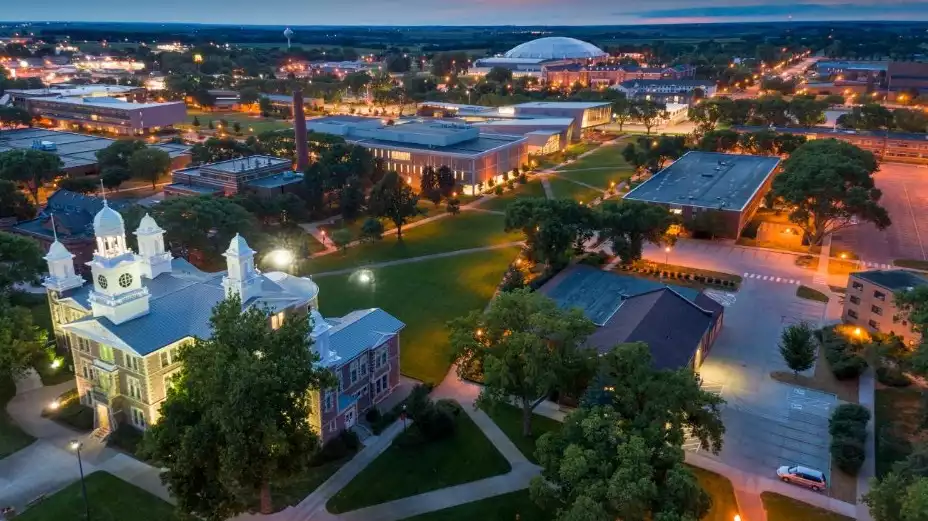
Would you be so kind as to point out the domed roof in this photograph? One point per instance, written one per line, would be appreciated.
(108, 222)
(555, 48)
(57, 251)
(148, 226)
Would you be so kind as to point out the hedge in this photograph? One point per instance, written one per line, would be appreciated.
(841, 354)
(848, 429)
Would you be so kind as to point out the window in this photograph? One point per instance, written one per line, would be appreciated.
(380, 357)
(329, 401)
(879, 295)
(874, 324)
(81, 344)
(138, 418)
(362, 365)
(331, 426)
(277, 320)
(855, 299)
(106, 353)
(169, 356)
(857, 285)
(876, 309)
(381, 384)
(134, 363)
(125, 280)
(851, 313)
(353, 372)
(135, 388)
(85, 370)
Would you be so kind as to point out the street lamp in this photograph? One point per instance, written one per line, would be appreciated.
(281, 258)
(322, 232)
(76, 447)
(667, 256)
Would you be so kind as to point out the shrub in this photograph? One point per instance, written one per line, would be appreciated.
(418, 401)
(439, 420)
(848, 429)
(373, 415)
(498, 190)
(523, 179)
(892, 376)
(337, 448)
(848, 454)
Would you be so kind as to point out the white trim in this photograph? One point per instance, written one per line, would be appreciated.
(93, 330)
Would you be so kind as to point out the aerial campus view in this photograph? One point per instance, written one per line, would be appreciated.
(492, 261)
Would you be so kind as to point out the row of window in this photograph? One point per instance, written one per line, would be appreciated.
(879, 295)
(115, 356)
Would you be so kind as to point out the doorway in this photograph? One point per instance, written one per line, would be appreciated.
(103, 416)
(350, 418)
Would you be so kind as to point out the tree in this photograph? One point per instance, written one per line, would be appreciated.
(248, 95)
(526, 345)
(11, 116)
(195, 123)
(314, 188)
(551, 227)
(237, 128)
(834, 99)
(807, 112)
(453, 206)
(351, 200)
(649, 113)
(264, 106)
(341, 238)
(901, 494)
(20, 260)
(719, 141)
(596, 468)
(707, 113)
(829, 184)
(149, 164)
(908, 120)
(446, 182)
(13, 203)
(428, 185)
(80, 185)
(393, 199)
(21, 341)
(771, 110)
(499, 75)
(117, 154)
(29, 169)
(797, 347)
(372, 230)
(243, 392)
(630, 224)
(622, 110)
(114, 176)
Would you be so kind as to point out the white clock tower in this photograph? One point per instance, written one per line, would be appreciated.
(117, 283)
(155, 260)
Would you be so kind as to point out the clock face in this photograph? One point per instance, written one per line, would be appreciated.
(125, 280)
(102, 282)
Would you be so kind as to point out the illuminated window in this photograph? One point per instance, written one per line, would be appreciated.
(277, 320)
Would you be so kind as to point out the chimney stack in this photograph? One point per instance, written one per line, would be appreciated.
(299, 131)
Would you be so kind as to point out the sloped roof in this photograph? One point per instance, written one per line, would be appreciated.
(362, 330)
(555, 47)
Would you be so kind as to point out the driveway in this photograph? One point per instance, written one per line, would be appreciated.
(768, 423)
(725, 256)
(905, 197)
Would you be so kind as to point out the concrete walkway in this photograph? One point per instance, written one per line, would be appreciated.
(421, 258)
(866, 397)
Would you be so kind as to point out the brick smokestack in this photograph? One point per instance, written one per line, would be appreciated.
(299, 131)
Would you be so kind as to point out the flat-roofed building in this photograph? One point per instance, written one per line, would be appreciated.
(409, 146)
(870, 302)
(557, 132)
(78, 152)
(899, 147)
(668, 90)
(264, 175)
(724, 189)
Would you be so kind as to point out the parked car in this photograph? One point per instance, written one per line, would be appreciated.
(803, 476)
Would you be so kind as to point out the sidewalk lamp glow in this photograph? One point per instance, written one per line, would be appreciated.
(843, 255)
(737, 517)
(856, 331)
(56, 363)
(281, 258)
(75, 445)
(54, 405)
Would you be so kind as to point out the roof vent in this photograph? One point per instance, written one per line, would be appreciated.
(707, 174)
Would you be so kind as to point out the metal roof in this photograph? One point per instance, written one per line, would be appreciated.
(362, 330)
(894, 280)
(554, 48)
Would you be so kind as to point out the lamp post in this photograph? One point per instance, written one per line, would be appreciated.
(667, 256)
(404, 417)
(76, 447)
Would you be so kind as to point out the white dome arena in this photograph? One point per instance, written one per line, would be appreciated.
(555, 48)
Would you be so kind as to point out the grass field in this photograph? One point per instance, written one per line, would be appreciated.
(896, 421)
(405, 470)
(505, 507)
(251, 124)
(456, 232)
(110, 498)
(601, 168)
(564, 189)
(782, 508)
(12, 438)
(533, 188)
(425, 295)
(509, 420)
(428, 210)
(724, 504)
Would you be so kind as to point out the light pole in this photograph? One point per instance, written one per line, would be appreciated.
(76, 447)
(667, 256)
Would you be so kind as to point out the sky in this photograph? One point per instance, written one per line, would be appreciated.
(461, 12)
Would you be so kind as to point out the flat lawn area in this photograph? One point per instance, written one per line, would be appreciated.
(506, 507)
(811, 294)
(782, 508)
(455, 232)
(291, 492)
(428, 210)
(896, 420)
(600, 168)
(564, 189)
(724, 505)
(12, 438)
(425, 295)
(509, 420)
(533, 188)
(110, 498)
(247, 121)
(406, 471)
(914, 264)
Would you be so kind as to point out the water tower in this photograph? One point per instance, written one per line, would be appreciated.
(288, 33)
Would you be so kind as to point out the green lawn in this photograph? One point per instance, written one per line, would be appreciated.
(564, 189)
(12, 438)
(292, 491)
(600, 168)
(428, 210)
(509, 420)
(110, 498)
(897, 414)
(505, 507)
(782, 508)
(424, 295)
(724, 504)
(456, 232)
(247, 121)
(533, 188)
(403, 471)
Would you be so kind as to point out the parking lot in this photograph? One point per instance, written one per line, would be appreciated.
(905, 197)
(768, 423)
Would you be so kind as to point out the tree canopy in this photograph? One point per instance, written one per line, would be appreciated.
(245, 394)
(552, 227)
(30, 169)
(393, 198)
(829, 185)
(13, 203)
(149, 164)
(632, 223)
(21, 260)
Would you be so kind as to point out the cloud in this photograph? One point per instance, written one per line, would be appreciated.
(822, 10)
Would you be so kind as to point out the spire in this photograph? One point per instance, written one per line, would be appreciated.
(103, 191)
(54, 229)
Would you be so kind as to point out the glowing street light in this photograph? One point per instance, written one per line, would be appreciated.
(667, 255)
(856, 331)
(54, 405)
(76, 447)
(281, 258)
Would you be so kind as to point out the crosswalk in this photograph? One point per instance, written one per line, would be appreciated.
(876, 265)
(771, 278)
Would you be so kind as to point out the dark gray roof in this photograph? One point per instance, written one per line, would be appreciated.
(362, 330)
(73, 213)
(894, 280)
(670, 319)
(707, 180)
(839, 133)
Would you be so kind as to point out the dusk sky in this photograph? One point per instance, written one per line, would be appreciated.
(468, 12)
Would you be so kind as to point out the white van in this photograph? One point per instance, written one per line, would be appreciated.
(803, 476)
